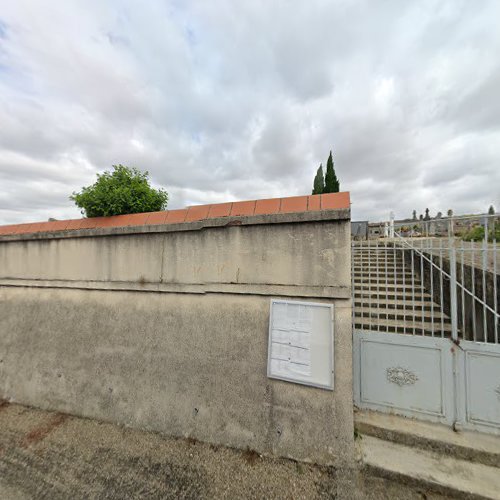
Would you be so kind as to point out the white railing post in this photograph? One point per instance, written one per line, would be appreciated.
(454, 323)
(485, 268)
(453, 284)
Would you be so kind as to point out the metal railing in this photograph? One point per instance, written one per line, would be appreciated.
(389, 295)
(459, 279)
(433, 286)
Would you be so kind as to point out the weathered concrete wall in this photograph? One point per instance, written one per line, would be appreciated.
(168, 330)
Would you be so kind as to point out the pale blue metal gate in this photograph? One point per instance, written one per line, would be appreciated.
(426, 327)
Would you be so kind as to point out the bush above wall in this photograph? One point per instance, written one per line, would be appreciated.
(123, 191)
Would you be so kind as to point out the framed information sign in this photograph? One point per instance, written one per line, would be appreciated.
(301, 343)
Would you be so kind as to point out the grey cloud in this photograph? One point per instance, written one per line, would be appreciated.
(479, 109)
(232, 100)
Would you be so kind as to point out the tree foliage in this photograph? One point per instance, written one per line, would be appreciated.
(491, 210)
(319, 181)
(122, 191)
(477, 234)
(328, 183)
(332, 184)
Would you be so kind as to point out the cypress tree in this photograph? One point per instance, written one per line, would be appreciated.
(319, 181)
(332, 184)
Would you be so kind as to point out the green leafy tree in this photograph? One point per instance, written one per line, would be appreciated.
(491, 210)
(125, 190)
(477, 234)
(332, 184)
(319, 181)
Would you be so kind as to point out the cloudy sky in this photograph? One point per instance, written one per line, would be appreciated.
(229, 100)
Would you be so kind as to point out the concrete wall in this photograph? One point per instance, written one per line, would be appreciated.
(167, 329)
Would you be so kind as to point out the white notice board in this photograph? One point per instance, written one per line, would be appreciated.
(301, 343)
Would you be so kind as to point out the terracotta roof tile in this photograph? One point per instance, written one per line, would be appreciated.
(10, 229)
(198, 212)
(37, 227)
(91, 222)
(114, 221)
(294, 204)
(157, 217)
(55, 225)
(314, 202)
(21, 228)
(134, 219)
(194, 213)
(270, 206)
(74, 224)
(176, 216)
(219, 210)
(243, 208)
(333, 201)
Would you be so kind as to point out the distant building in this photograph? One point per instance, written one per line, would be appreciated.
(359, 230)
(376, 230)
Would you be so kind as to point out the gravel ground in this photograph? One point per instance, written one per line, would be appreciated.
(47, 455)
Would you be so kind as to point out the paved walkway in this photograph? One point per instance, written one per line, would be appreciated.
(45, 455)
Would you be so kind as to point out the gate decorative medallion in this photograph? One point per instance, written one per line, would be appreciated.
(401, 376)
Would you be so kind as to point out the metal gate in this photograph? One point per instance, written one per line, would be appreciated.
(426, 321)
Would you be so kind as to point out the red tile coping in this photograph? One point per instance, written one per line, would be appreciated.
(198, 212)
(291, 204)
(220, 210)
(265, 207)
(243, 208)
(294, 204)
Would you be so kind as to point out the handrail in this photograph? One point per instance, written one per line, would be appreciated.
(486, 306)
